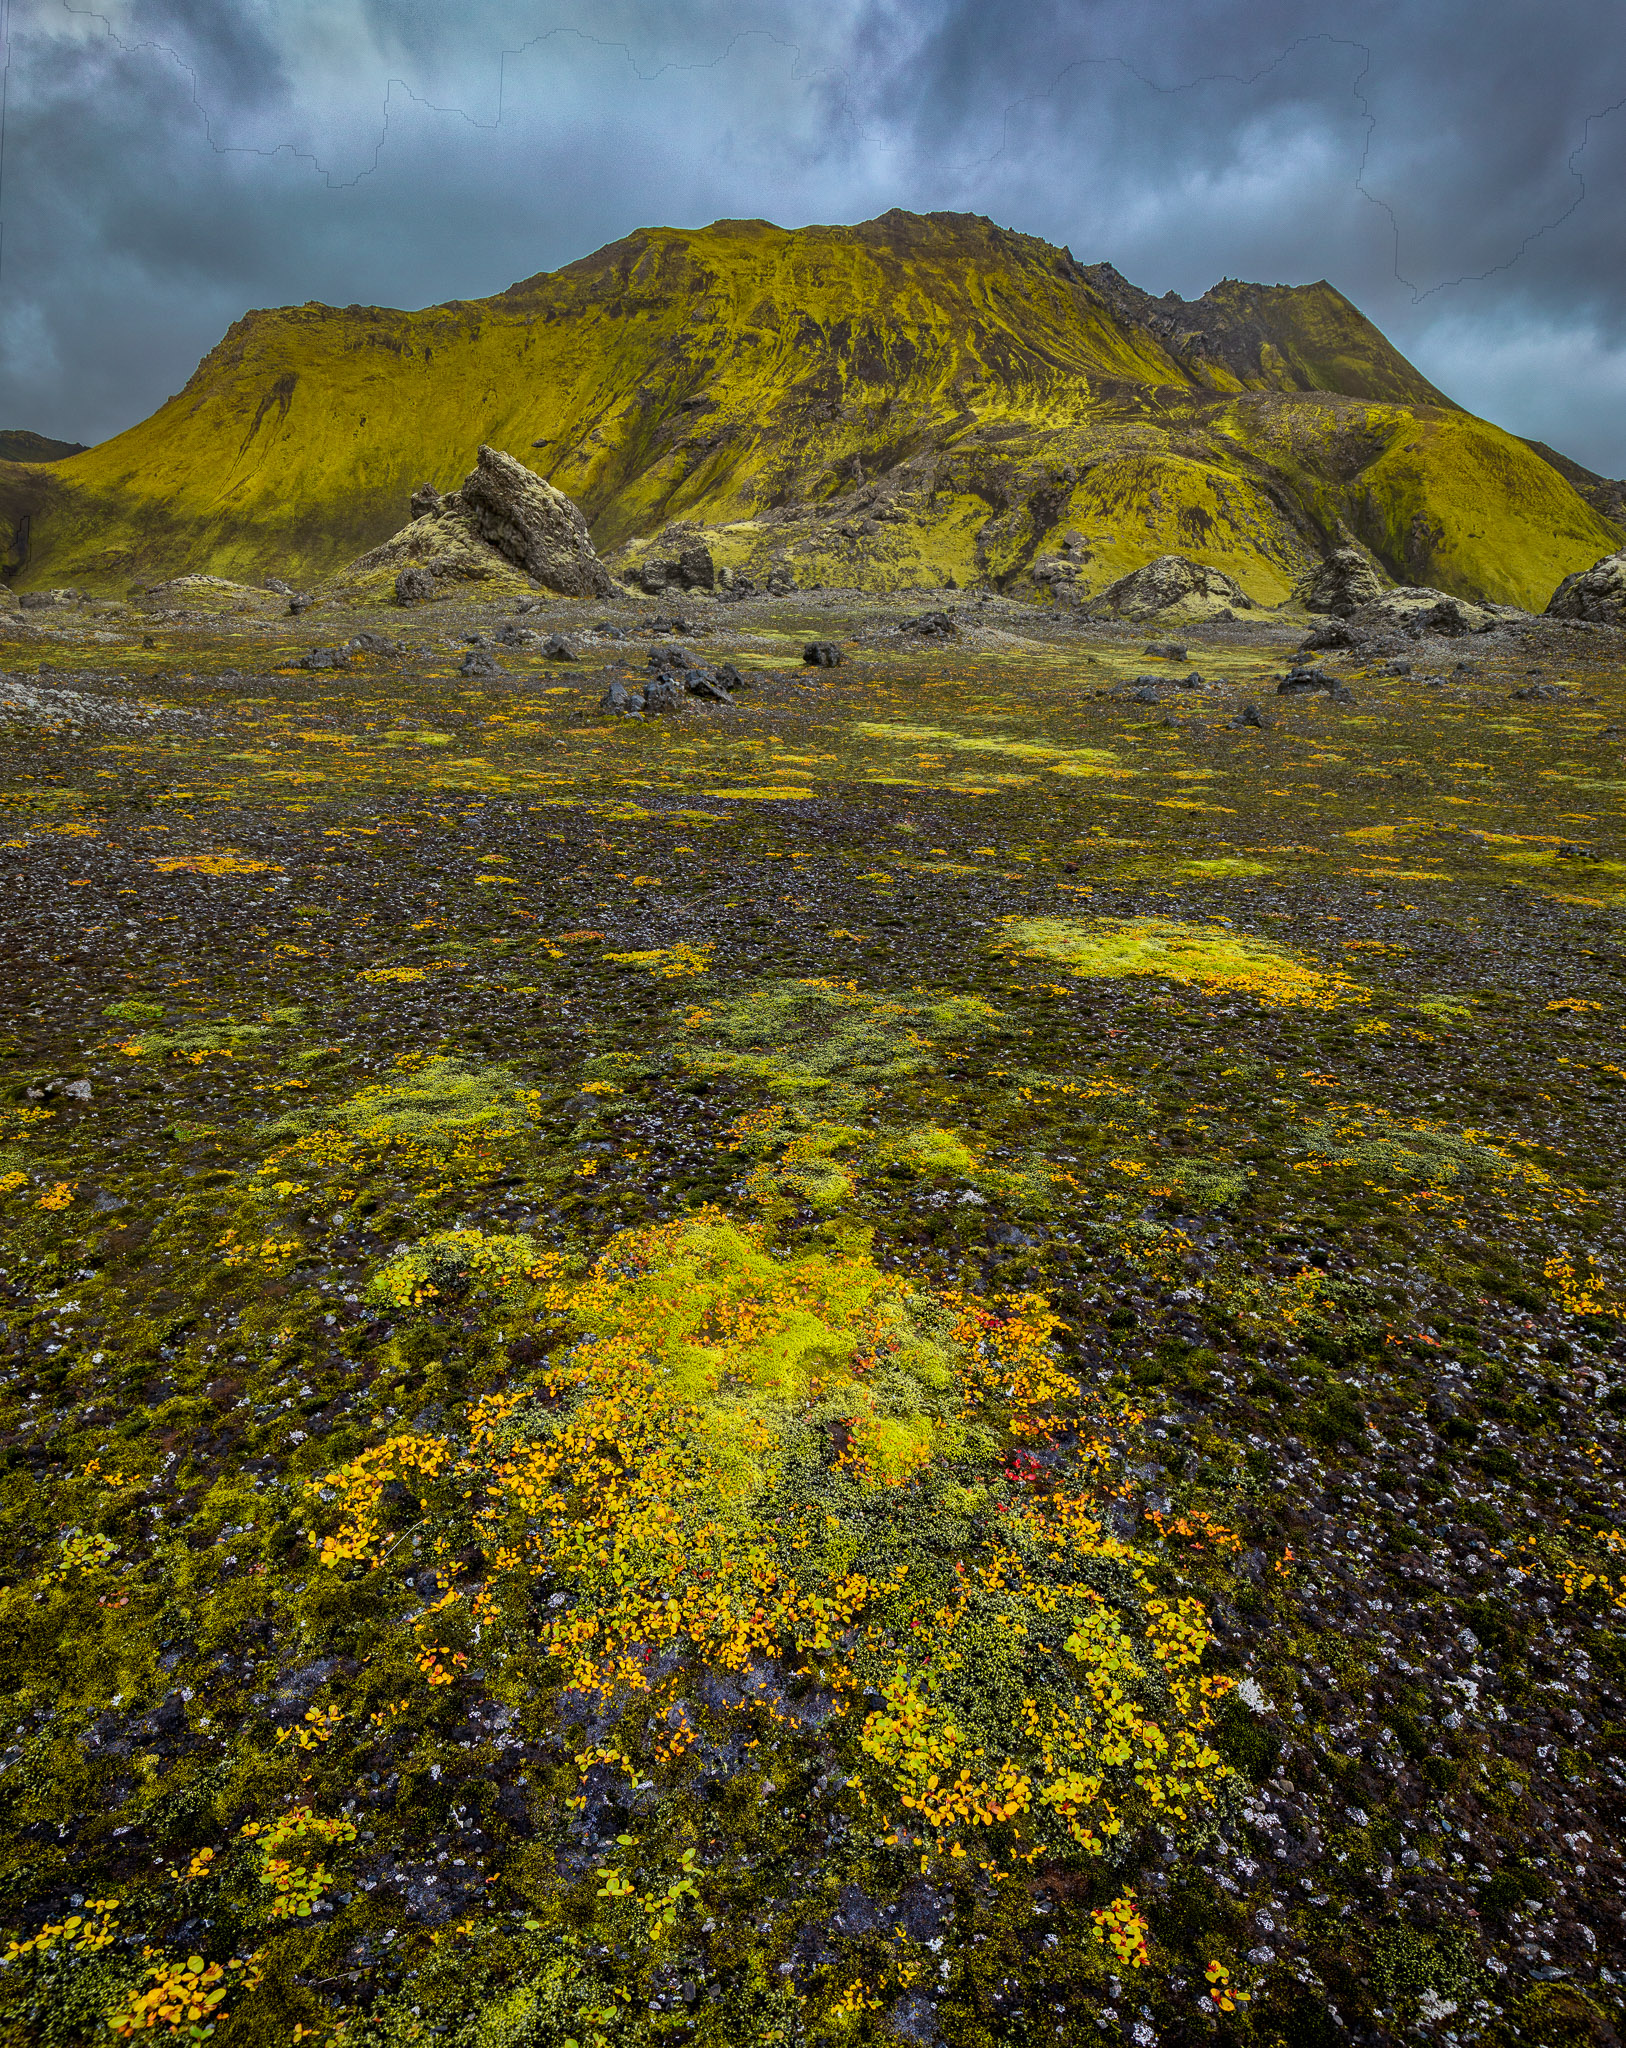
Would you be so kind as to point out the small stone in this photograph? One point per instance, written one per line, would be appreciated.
(413, 585)
(479, 661)
(1249, 715)
(1166, 650)
(822, 654)
(557, 648)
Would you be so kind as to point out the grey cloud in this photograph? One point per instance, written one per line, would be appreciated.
(1185, 141)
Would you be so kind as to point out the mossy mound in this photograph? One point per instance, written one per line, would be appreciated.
(1210, 956)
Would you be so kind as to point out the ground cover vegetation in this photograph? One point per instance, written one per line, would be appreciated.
(938, 1355)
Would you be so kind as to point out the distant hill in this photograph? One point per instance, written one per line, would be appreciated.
(18, 445)
(883, 405)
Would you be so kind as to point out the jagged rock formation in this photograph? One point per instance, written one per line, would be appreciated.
(1173, 585)
(912, 402)
(1598, 593)
(504, 523)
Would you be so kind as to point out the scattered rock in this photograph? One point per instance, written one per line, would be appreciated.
(1171, 583)
(709, 686)
(49, 600)
(1344, 582)
(1597, 594)
(1248, 715)
(663, 693)
(938, 625)
(275, 583)
(619, 698)
(479, 661)
(1540, 693)
(822, 654)
(415, 584)
(1166, 650)
(325, 657)
(59, 1091)
(301, 603)
(510, 635)
(425, 501)
(557, 648)
(781, 582)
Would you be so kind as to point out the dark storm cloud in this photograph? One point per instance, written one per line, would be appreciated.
(402, 151)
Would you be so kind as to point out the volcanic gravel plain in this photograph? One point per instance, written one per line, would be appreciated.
(937, 1355)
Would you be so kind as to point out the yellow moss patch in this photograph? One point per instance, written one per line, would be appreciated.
(1211, 956)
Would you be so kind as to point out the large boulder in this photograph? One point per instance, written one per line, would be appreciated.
(1342, 584)
(539, 529)
(503, 525)
(1173, 583)
(1598, 593)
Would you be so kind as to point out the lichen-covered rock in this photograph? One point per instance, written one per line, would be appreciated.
(1171, 583)
(1342, 584)
(1414, 609)
(1598, 593)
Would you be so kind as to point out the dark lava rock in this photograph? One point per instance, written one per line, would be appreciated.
(931, 626)
(412, 586)
(822, 654)
(479, 661)
(1540, 693)
(1248, 715)
(1166, 650)
(663, 693)
(325, 657)
(619, 698)
(557, 648)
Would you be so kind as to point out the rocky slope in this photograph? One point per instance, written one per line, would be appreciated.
(909, 401)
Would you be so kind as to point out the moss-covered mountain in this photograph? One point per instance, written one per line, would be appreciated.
(886, 405)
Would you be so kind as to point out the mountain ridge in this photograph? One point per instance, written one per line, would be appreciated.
(915, 398)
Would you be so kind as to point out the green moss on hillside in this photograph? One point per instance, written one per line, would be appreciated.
(965, 394)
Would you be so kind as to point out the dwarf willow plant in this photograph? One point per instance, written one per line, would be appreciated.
(775, 1468)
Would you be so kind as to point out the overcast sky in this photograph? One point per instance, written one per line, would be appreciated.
(1458, 167)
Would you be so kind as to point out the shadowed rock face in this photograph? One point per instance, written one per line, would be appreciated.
(1598, 593)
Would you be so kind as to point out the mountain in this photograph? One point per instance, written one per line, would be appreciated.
(886, 405)
(1604, 494)
(17, 444)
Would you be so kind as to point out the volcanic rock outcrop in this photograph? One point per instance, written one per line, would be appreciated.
(1344, 582)
(1173, 584)
(503, 521)
(1598, 594)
